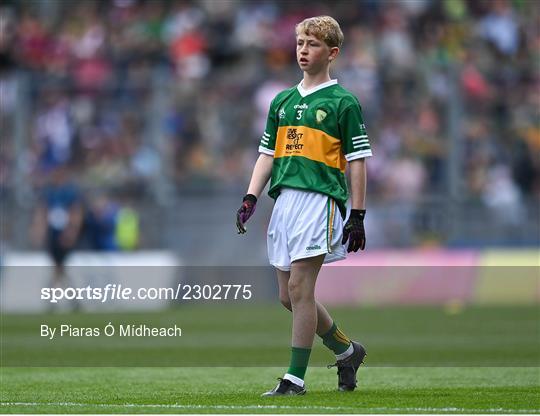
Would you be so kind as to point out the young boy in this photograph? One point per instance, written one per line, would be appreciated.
(313, 129)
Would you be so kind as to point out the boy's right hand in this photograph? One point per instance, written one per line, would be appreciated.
(245, 212)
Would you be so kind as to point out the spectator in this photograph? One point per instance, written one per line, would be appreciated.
(57, 221)
(101, 222)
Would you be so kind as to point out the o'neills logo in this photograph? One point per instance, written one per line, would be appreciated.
(294, 139)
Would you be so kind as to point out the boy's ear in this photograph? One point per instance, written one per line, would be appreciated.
(333, 53)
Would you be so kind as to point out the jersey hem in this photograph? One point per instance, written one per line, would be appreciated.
(274, 194)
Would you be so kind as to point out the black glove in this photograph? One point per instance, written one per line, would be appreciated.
(354, 231)
(246, 210)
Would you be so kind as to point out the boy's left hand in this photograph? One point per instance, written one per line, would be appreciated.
(354, 231)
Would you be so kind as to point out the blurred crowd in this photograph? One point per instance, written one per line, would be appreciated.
(130, 93)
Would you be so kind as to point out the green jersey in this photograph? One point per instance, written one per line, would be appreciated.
(312, 134)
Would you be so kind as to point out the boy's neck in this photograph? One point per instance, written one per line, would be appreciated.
(312, 81)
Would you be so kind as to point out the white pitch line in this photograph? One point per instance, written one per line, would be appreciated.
(275, 407)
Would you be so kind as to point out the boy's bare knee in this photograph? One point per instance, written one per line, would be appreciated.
(298, 292)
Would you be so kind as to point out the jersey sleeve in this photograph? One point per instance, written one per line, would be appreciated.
(354, 138)
(267, 144)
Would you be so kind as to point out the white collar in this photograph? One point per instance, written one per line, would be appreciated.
(303, 92)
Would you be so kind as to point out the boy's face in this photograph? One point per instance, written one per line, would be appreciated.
(313, 55)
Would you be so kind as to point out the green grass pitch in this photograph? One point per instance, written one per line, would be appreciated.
(420, 360)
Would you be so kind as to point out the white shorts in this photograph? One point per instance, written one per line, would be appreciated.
(304, 224)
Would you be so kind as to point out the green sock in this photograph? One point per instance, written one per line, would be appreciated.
(299, 362)
(336, 340)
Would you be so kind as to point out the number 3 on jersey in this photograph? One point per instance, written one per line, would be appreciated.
(299, 114)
